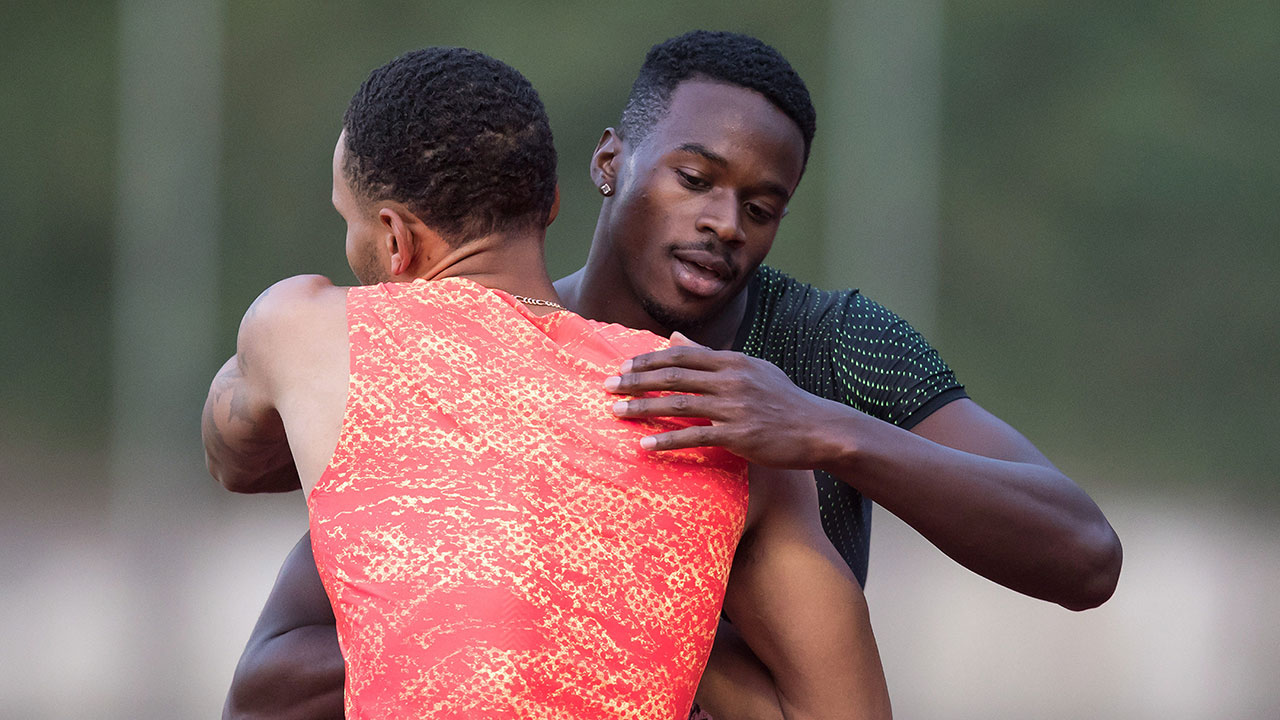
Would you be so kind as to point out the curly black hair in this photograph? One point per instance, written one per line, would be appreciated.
(723, 57)
(460, 138)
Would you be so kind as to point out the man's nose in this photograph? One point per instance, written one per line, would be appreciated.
(722, 215)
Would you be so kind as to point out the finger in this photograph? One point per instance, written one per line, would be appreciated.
(695, 357)
(679, 339)
(673, 379)
(698, 406)
(699, 436)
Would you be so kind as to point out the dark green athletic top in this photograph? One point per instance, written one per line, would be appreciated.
(845, 347)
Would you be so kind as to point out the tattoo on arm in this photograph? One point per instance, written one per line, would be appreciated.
(243, 439)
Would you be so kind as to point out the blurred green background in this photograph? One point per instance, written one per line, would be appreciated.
(1106, 196)
(1076, 202)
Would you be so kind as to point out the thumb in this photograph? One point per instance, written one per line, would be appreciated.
(679, 338)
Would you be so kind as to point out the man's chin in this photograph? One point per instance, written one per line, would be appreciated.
(675, 318)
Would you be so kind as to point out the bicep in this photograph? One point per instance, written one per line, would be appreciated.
(234, 411)
(800, 609)
(244, 437)
(239, 403)
(965, 425)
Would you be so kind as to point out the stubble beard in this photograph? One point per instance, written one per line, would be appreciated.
(368, 270)
(671, 319)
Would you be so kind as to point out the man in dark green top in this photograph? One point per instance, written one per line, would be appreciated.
(695, 180)
(845, 347)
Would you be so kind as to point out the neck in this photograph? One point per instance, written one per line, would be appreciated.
(513, 263)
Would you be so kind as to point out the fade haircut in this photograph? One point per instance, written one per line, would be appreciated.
(721, 57)
(460, 138)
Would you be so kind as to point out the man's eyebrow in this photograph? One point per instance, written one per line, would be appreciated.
(703, 151)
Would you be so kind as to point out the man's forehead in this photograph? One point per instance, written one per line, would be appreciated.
(719, 120)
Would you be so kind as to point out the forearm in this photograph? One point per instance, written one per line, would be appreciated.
(963, 478)
(298, 674)
(1019, 522)
(292, 665)
(244, 440)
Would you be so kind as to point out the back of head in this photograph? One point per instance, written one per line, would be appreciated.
(725, 57)
(460, 138)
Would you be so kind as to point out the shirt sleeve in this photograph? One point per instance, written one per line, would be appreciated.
(887, 369)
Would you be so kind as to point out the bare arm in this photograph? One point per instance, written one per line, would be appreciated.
(971, 484)
(985, 495)
(244, 439)
(289, 372)
(800, 611)
(735, 684)
(291, 668)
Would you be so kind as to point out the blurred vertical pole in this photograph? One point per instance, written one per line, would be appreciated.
(880, 132)
(164, 295)
(165, 279)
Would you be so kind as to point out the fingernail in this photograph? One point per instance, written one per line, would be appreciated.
(619, 407)
(648, 442)
(626, 366)
(612, 383)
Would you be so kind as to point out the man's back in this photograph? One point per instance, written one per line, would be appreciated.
(493, 540)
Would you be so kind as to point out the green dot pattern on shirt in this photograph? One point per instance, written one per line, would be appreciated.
(842, 346)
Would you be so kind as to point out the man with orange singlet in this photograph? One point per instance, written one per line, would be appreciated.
(494, 541)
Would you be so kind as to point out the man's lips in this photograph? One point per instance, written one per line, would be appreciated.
(701, 272)
(708, 262)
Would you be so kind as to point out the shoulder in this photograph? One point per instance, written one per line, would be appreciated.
(872, 318)
(289, 309)
(849, 313)
(296, 292)
(779, 297)
(782, 305)
(293, 297)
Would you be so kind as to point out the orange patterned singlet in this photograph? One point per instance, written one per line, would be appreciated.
(495, 543)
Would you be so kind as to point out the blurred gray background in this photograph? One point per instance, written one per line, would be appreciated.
(1076, 203)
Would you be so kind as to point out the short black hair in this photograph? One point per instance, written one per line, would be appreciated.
(460, 138)
(722, 57)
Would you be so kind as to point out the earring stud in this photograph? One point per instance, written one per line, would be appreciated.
(606, 189)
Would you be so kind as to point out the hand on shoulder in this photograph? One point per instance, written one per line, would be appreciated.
(755, 410)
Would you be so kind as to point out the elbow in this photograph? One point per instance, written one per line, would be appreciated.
(238, 479)
(215, 462)
(296, 675)
(246, 699)
(234, 484)
(216, 469)
(1098, 557)
(223, 475)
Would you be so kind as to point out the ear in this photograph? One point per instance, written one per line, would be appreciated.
(555, 207)
(607, 158)
(402, 233)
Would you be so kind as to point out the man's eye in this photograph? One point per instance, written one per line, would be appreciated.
(693, 181)
(759, 213)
